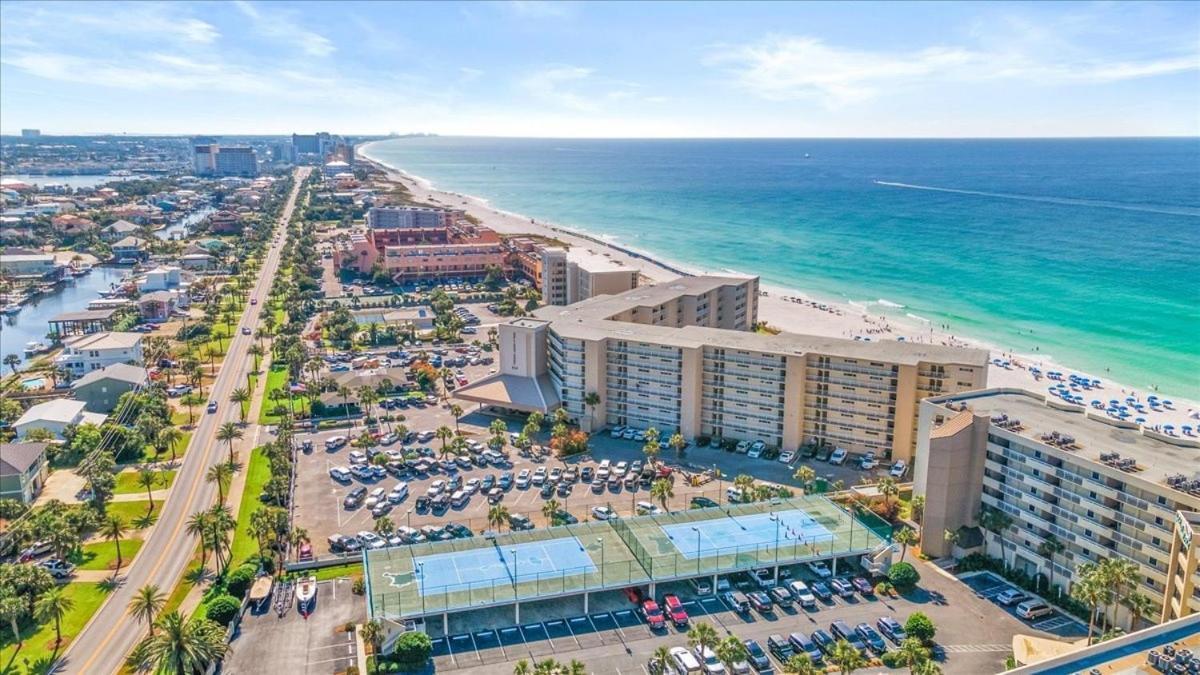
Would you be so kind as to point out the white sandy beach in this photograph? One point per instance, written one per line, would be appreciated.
(798, 312)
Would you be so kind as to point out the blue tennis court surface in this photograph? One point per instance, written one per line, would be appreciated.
(745, 532)
(519, 562)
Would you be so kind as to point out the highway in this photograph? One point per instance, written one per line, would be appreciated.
(111, 634)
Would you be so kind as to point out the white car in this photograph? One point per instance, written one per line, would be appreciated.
(803, 595)
(340, 473)
(357, 457)
(712, 665)
(603, 513)
(629, 433)
(898, 469)
(684, 660)
(622, 467)
(435, 488)
(868, 462)
(616, 431)
(371, 540)
(374, 498)
(838, 456)
(472, 486)
(523, 479)
(818, 568)
(743, 447)
(646, 508)
(787, 456)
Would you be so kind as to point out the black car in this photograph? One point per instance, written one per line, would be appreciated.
(586, 474)
(564, 490)
(489, 482)
(760, 601)
(422, 504)
(703, 503)
(519, 522)
(802, 644)
(458, 530)
(782, 596)
(822, 591)
(824, 641)
(871, 637)
(547, 490)
(337, 543)
(780, 647)
(842, 631)
(354, 498)
(756, 656)
(440, 503)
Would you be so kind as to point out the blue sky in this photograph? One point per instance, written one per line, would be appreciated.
(604, 70)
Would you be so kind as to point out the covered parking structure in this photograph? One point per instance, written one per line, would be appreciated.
(415, 583)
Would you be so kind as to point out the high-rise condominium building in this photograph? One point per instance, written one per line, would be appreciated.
(684, 356)
(1101, 488)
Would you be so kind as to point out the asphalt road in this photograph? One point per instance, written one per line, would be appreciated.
(111, 634)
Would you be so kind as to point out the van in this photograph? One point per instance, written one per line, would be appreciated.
(685, 661)
(459, 499)
(802, 644)
(1033, 609)
(733, 495)
(398, 493)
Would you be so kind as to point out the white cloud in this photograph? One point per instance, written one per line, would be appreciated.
(282, 27)
(539, 8)
(553, 85)
(781, 68)
(469, 74)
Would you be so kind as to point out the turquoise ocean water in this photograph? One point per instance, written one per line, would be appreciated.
(1085, 250)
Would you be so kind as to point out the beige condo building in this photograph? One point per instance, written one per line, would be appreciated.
(1102, 487)
(683, 356)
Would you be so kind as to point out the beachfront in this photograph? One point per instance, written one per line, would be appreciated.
(798, 312)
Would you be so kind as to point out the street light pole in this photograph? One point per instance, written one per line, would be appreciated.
(600, 541)
(697, 531)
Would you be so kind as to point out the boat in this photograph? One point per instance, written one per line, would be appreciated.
(34, 348)
(12, 308)
(306, 591)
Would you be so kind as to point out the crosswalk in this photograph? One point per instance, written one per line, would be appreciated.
(976, 648)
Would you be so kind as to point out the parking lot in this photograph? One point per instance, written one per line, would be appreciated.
(612, 636)
(315, 645)
(989, 586)
(319, 498)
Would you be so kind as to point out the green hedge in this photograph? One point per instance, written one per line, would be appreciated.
(222, 609)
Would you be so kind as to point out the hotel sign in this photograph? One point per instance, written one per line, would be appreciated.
(1184, 528)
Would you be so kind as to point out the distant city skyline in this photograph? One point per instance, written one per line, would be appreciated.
(603, 70)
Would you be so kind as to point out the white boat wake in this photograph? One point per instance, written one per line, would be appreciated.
(1064, 201)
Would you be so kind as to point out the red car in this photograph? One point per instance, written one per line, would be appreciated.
(653, 614)
(675, 610)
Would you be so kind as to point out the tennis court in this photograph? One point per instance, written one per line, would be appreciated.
(707, 537)
(518, 562)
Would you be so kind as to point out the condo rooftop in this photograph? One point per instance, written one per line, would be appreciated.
(1028, 415)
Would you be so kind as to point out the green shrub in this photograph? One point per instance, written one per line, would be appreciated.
(359, 586)
(903, 576)
(920, 627)
(222, 609)
(239, 580)
(891, 659)
(412, 649)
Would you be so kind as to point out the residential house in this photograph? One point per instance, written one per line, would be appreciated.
(23, 471)
(55, 416)
(158, 305)
(73, 225)
(225, 222)
(101, 389)
(130, 248)
(86, 353)
(119, 230)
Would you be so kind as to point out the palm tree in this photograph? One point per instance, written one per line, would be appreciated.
(457, 411)
(730, 651)
(917, 508)
(367, 398)
(846, 657)
(677, 443)
(1050, 547)
(444, 434)
(951, 537)
(1090, 590)
(241, 397)
(591, 400)
(702, 635)
(372, 634)
(1139, 606)
(345, 392)
(927, 667)
(745, 484)
(221, 474)
(191, 401)
(662, 490)
(997, 522)
(550, 510)
(228, 433)
(498, 516)
(912, 652)
(113, 529)
(906, 537)
(147, 477)
(180, 646)
(522, 668)
(257, 352)
(146, 604)
(887, 487)
(384, 527)
(1122, 576)
(53, 606)
(221, 523)
(198, 526)
(801, 664)
(12, 609)
(651, 450)
(12, 360)
(806, 475)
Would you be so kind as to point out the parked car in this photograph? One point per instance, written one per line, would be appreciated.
(653, 615)
(523, 479)
(821, 590)
(803, 644)
(820, 569)
(757, 657)
(780, 648)
(863, 586)
(737, 601)
(1033, 609)
(354, 498)
(838, 456)
(787, 456)
(898, 469)
(761, 602)
(340, 473)
(842, 631)
(674, 609)
(702, 503)
(603, 513)
(823, 640)
(871, 637)
(868, 461)
(803, 595)
(842, 587)
(519, 522)
(892, 629)
(1010, 597)
(782, 596)
(59, 569)
(709, 661)
(685, 661)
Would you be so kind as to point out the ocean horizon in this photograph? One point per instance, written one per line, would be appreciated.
(1082, 251)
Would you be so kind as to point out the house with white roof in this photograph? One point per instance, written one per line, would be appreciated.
(55, 416)
(85, 353)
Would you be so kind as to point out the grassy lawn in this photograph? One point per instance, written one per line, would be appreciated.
(277, 378)
(258, 471)
(149, 454)
(38, 647)
(183, 586)
(347, 570)
(102, 555)
(136, 514)
(128, 483)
